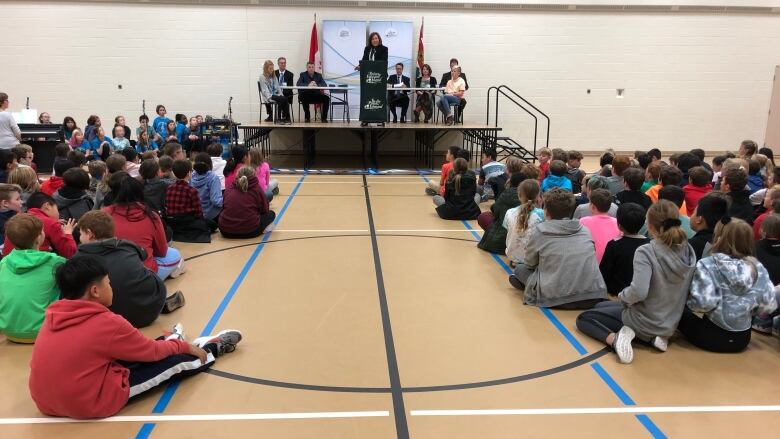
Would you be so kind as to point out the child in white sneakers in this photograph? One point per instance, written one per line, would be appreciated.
(88, 362)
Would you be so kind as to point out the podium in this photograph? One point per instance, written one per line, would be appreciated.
(373, 91)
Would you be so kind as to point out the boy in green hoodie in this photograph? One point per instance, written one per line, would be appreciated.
(27, 285)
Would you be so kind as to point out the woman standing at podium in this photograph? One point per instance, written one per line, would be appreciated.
(9, 130)
(375, 51)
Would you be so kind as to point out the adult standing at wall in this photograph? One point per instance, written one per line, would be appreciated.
(10, 135)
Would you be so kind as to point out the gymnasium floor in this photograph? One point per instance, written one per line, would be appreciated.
(366, 316)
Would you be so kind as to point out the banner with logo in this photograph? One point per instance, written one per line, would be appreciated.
(373, 91)
(398, 37)
(342, 48)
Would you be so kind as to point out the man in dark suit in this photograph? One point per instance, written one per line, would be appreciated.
(307, 97)
(447, 76)
(398, 98)
(286, 78)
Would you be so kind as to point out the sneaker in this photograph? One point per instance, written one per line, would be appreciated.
(173, 302)
(622, 345)
(270, 228)
(484, 198)
(661, 343)
(429, 191)
(226, 341)
(276, 190)
(763, 326)
(515, 282)
(177, 333)
(180, 269)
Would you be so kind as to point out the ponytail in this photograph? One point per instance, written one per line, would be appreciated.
(237, 154)
(528, 189)
(242, 183)
(459, 167)
(242, 178)
(664, 216)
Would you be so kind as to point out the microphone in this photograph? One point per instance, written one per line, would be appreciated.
(28, 103)
(143, 106)
(231, 99)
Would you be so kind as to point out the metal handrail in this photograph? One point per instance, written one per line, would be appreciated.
(547, 142)
(504, 90)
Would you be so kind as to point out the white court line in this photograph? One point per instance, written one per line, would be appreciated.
(322, 230)
(601, 410)
(179, 418)
(421, 230)
(360, 182)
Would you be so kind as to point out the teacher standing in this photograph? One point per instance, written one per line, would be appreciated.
(9, 130)
(375, 51)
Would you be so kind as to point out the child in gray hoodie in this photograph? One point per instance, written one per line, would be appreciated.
(652, 305)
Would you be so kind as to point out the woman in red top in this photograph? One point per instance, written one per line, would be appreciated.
(238, 159)
(245, 211)
(136, 222)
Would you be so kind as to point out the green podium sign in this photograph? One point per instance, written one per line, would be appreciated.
(373, 91)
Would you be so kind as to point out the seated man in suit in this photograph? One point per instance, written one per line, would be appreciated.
(398, 98)
(448, 75)
(286, 78)
(306, 97)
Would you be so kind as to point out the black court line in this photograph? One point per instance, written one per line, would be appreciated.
(401, 426)
(442, 388)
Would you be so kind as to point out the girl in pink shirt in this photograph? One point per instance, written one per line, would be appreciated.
(269, 186)
(238, 159)
(603, 228)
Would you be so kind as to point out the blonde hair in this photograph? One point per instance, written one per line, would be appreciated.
(513, 165)
(528, 190)
(664, 217)
(25, 178)
(243, 176)
(459, 167)
(733, 237)
(256, 157)
(268, 68)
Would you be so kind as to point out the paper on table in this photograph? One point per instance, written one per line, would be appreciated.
(398, 85)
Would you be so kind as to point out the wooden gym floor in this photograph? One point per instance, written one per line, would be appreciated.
(366, 316)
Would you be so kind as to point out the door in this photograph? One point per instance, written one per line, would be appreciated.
(772, 139)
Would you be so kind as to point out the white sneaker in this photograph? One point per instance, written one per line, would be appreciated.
(270, 228)
(177, 333)
(622, 345)
(226, 341)
(180, 269)
(661, 343)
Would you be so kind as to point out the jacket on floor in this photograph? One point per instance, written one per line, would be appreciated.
(562, 255)
(494, 239)
(56, 240)
(210, 193)
(242, 210)
(72, 203)
(460, 205)
(654, 302)
(74, 370)
(731, 290)
(139, 294)
(27, 288)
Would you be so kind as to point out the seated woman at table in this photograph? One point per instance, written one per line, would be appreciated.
(453, 93)
(425, 99)
(271, 91)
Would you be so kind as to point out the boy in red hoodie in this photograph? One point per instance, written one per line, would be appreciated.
(59, 236)
(55, 182)
(78, 379)
(438, 189)
(699, 186)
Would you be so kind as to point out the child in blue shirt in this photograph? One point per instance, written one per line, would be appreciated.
(160, 124)
(557, 177)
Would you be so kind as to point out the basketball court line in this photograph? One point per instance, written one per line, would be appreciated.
(602, 410)
(367, 230)
(205, 417)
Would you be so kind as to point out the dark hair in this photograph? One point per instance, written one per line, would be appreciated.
(672, 193)
(644, 160)
(631, 217)
(768, 153)
(698, 152)
(371, 37)
(771, 227)
(202, 163)
(166, 163)
(560, 154)
(181, 118)
(170, 148)
(181, 168)
(78, 274)
(237, 154)
(736, 178)
(670, 176)
(157, 109)
(309, 64)
(490, 152)
(426, 66)
(754, 167)
(69, 119)
(38, 199)
(116, 162)
(601, 198)
(6, 158)
(76, 178)
(61, 150)
(750, 147)
(77, 158)
(606, 159)
(516, 179)
(557, 168)
(686, 161)
(149, 169)
(559, 203)
(654, 153)
(129, 153)
(634, 178)
(454, 60)
(399, 64)
(143, 118)
(99, 223)
(464, 154)
(712, 207)
(699, 176)
(719, 159)
(574, 155)
(92, 119)
(61, 166)
(215, 149)
(453, 150)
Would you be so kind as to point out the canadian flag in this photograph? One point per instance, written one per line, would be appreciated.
(314, 49)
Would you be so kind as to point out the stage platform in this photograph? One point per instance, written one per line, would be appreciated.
(475, 137)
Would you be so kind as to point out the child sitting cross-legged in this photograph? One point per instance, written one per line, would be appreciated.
(58, 237)
(652, 305)
(26, 283)
(458, 202)
(140, 294)
(208, 186)
(246, 213)
(728, 287)
(603, 228)
(617, 264)
(560, 268)
(492, 222)
(73, 377)
(184, 213)
(521, 220)
(434, 188)
(557, 177)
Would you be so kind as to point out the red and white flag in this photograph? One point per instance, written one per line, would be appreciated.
(420, 50)
(314, 49)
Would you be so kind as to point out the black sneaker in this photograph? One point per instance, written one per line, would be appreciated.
(515, 282)
(173, 302)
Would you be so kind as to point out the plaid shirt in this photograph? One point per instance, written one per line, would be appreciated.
(182, 199)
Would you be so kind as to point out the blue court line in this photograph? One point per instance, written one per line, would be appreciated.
(645, 420)
(165, 399)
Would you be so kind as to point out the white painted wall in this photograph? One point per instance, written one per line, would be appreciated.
(691, 80)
